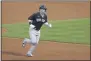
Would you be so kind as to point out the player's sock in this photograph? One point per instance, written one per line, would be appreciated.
(32, 49)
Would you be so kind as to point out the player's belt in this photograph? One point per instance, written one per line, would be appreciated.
(36, 29)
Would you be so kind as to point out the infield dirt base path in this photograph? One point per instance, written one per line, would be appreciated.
(12, 50)
(15, 12)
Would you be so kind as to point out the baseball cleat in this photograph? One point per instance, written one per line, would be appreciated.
(24, 43)
(29, 55)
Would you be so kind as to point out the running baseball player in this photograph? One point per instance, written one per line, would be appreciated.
(36, 21)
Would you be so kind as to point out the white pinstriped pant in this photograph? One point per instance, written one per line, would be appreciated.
(34, 36)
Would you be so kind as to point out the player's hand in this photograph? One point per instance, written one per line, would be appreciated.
(50, 25)
(32, 26)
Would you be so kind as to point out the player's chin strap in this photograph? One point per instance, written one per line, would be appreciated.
(47, 24)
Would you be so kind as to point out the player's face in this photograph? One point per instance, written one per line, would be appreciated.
(42, 11)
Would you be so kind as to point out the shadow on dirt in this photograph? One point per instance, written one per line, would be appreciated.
(12, 53)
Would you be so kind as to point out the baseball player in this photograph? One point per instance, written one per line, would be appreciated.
(36, 21)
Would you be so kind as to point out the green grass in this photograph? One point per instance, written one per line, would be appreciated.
(70, 31)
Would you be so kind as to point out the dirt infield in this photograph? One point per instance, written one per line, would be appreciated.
(12, 50)
(15, 12)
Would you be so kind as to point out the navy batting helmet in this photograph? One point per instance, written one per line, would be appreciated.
(42, 7)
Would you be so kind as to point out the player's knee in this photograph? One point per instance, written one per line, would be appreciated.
(34, 43)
